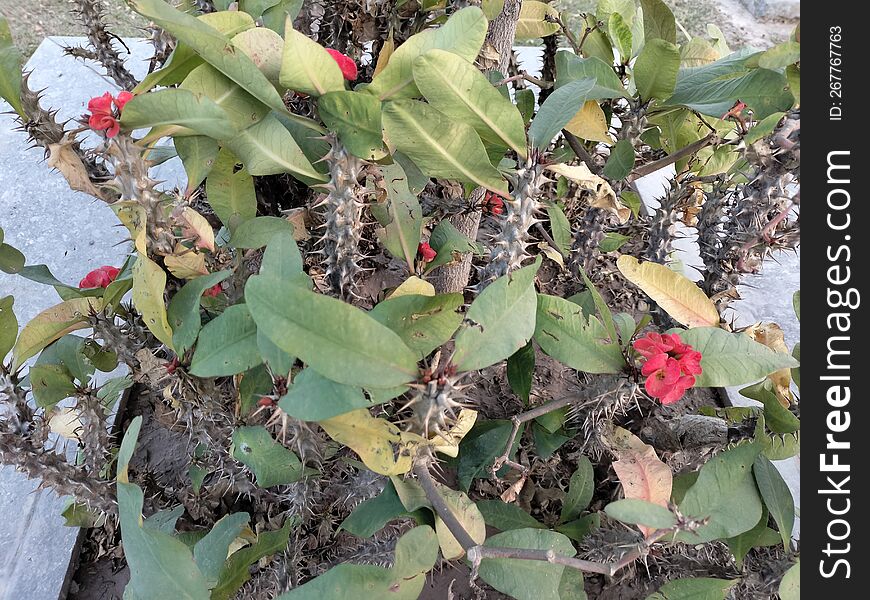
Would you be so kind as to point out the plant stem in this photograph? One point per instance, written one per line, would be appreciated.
(580, 151)
(710, 140)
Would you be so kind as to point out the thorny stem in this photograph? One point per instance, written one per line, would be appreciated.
(580, 151)
(477, 553)
(770, 226)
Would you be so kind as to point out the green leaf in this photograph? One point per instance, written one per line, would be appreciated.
(340, 341)
(565, 333)
(458, 89)
(440, 146)
(237, 569)
(570, 67)
(525, 99)
(210, 553)
(180, 107)
(50, 383)
(259, 231)
(242, 109)
(183, 312)
(400, 216)
(713, 88)
(656, 68)
(521, 370)
(449, 243)
(612, 242)
(69, 352)
(8, 326)
(462, 34)
(547, 442)
(423, 322)
(561, 228)
(701, 588)
(10, 69)
(370, 516)
(356, 118)
(777, 418)
(312, 397)
(524, 579)
(732, 358)
(532, 24)
(726, 493)
(160, 565)
(641, 512)
(557, 110)
(580, 490)
(658, 21)
(790, 586)
(485, 441)
(580, 528)
(267, 148)
(306, 66)
(272, 463)
(198, 154)
(620, 33)
(777, 497)
(780, 56)
(416, 553)
(227, 345)
(501, 320)
(620, 162)
(11, 259)
(230, 192)
(110, 392)
(282, 259)
(214, 47)
(506, 517)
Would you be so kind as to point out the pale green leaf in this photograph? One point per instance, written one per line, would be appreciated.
(227, 345)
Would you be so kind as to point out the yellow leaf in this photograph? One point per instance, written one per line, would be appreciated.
(552, 254)
(197, 229)
(640, 471)
(603, 195)
(385, 54)
(532, 23)
(413, 285)
(149, 282)
(772, 336)
(132, 215)
(448, 442)
(673, 292)
(467, 513)
(590, 123)
(52, 324)
(382, 446)
(185, 263)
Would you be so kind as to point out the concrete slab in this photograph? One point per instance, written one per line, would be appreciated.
(71, 233)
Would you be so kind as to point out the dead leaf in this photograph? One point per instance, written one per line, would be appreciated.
(185, 263)
(384, 55)
(66, 423)
(448, 442)
(298, 218)
(590, 123)
(640, 471)
(772, 336)
(489, 58)
(551, 253)
(197, 229)
(603, 195)
(66, 160)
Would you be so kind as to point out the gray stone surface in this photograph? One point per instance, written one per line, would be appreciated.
(773, 9)
(71, 233)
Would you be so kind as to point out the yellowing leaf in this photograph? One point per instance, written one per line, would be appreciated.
(467, 513)
(413, 285)
(642, 474)
(532, 24)
(185, 263)
(603, 195)
(149, 282)
(52, 324)
(590, 123)
(551, 253)
(197, 229)
(132, 215)
(384, 55)
(306, 66)
(772, 336)
(448, 442)
(673, 292)
(382, 446)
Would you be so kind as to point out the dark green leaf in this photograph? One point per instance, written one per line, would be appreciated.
(777, 497)
(423, 322)
(621, 161)
(370, 517)
(521, 370)
(183, 311)
(580, 490)
(312, 397)
(658, 21)
(237, 569)
(198, 154)
(506, 517)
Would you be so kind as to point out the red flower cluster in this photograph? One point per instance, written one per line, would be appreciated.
(214, 291)
(493, 203)
(345, 63)
(426, 252)
(99, 278)
(103, 116)
(670, 366)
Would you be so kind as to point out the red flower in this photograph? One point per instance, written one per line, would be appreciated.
(122, 99)
(99, 278)
(426, 252)
(103, 117)
(213, 291)
(345, 63)
(493, 203)
(670, 366)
